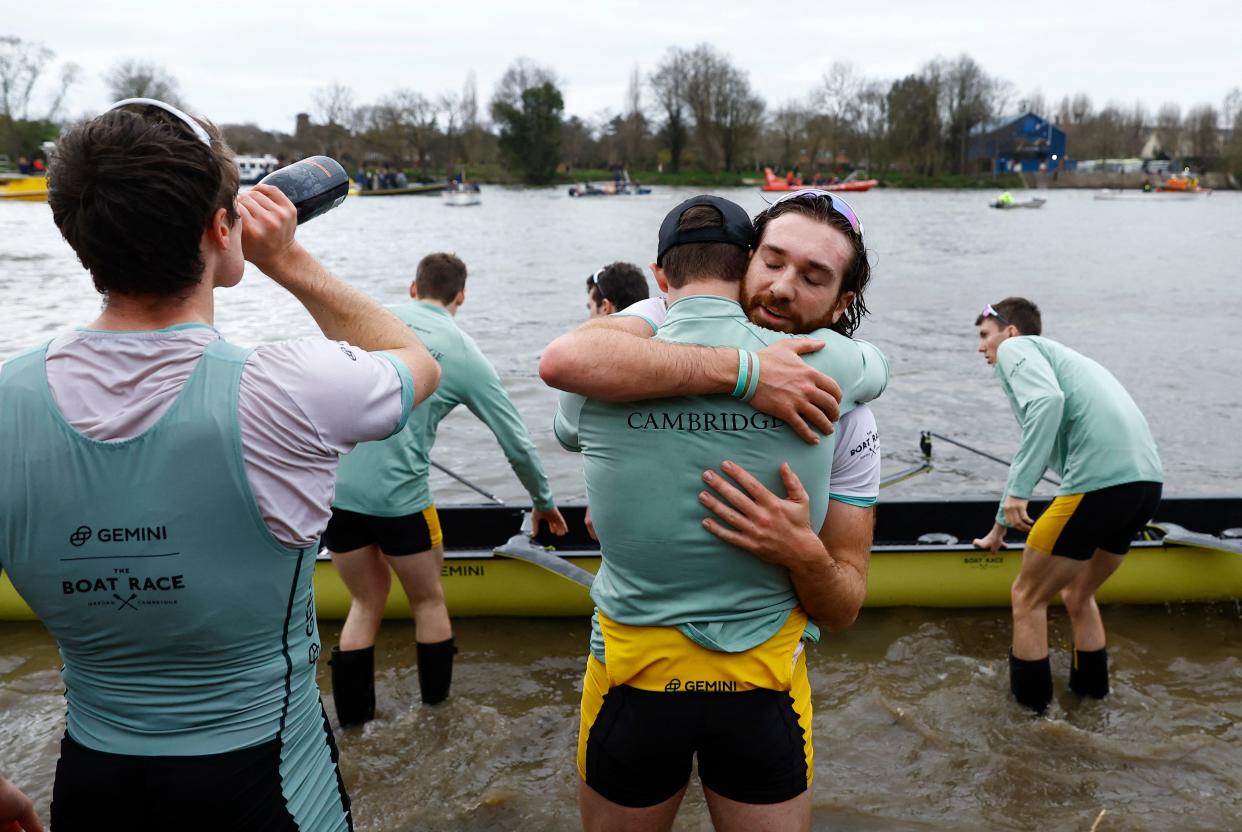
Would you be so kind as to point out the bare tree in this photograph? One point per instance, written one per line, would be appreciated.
(633, 127)
(706, 72)
(789, 128)
(1202, 125)
(914, 126)
(21, 64)
(1034, 102)
(334, 105)
(1232, 113)
(523, 74)
(1231, 108)
(739, 112)
(334, 109)
(449, 105)
(837, 100)
(969, 98)
(70, 74)
(471, 127)
(419, 117)
(668, 83)
(1169, 128)
(1080, 108)
(872, 121)
(133, 78)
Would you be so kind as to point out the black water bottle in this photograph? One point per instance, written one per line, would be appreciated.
(314, 185)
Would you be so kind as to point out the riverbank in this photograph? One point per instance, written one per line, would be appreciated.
(496, 175)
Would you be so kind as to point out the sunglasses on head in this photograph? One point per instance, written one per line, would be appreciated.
(603, 296)
(989, 312)
(838, 204)
(198, 129)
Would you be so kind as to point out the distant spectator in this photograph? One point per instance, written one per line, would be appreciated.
(615, 287)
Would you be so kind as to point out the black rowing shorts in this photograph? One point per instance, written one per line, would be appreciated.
(395, 536)
(1075, 525)
(750, 746)
(236, 790)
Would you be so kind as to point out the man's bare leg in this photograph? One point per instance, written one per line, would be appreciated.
(366, 577)
(1089, 669)
(420, 577)
(731, 816)
(1041, 578)
(602, 815)
(1079, 598)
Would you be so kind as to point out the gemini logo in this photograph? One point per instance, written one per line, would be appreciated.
(80, 535)
(701, 686)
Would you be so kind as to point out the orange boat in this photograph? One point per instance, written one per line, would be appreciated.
(1184, 183)
(772, 182)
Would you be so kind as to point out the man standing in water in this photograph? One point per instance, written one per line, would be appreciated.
(613, 288)
(697, 646)
(1077, 419)
(384, 517)
(162, 492)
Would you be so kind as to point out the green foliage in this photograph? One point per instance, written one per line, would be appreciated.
(530, 131)
(23, 138)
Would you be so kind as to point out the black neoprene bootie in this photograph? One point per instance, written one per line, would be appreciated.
(1031, 682)
(353, 685)
(1089, 673)
(435, 670)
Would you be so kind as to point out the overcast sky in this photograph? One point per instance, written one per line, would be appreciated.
(261, 61)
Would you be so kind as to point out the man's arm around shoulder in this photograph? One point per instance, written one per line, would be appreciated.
(614, 359)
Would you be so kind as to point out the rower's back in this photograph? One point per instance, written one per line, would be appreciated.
(643, 465)
(1101, 438)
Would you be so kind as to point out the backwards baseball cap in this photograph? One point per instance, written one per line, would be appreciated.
(735, 229)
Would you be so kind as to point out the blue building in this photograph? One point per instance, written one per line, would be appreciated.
(1024, 143)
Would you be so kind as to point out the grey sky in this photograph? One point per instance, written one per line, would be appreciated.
(260, 61)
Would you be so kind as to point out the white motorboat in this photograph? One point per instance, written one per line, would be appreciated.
(461, 194)
(1150, 197)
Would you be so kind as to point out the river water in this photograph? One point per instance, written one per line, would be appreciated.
(913, 727)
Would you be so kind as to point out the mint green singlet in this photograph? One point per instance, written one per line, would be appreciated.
(185, 627)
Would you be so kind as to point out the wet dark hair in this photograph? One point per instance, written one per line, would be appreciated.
(440, 276)
(1018, 311)
(131, 192)
(857, 274)
(695, 261)
(622, 283)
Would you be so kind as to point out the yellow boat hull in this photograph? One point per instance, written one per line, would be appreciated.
(24, 189)
(492, 585)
